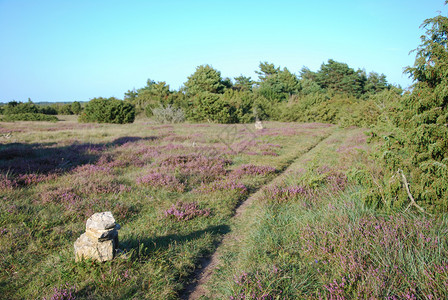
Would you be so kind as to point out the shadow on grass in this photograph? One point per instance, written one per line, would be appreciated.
(47, 158)
(147, 246)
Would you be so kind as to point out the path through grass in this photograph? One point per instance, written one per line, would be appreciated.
(173, 189)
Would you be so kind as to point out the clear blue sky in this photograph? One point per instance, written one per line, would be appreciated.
(77, 50)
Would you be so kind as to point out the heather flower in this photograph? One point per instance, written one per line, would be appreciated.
(252, 170)
(222, 185)
(269, 153)
(90, 169)
(64, 292)
(66, 196)
(203, 168)
(166, 181)
(6, 183)
(186, 211)
(28, 179)
(282, 194)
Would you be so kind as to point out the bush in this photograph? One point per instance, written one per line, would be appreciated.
(76, 107)
(110, 110)
(14, 107)
(211, 108)
(29, 117)
(48, 110)
(168, 114)
(412, 132)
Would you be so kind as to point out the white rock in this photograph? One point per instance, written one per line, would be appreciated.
(100, 240)
(86, 248)
(258, 125)
(101, 221)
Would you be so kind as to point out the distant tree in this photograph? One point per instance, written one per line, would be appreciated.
(306, 74)
(65, 109)
(130, 96)
(150, 96)
(266, 70)
(243, 83)
(111, 110)
(15, 107)
(376, 83)
(211, 107)
(47, 110)
(276, 83)
(76, 108)
(339, 77)
(205, 79)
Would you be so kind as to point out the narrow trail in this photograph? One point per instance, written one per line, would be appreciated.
(201, 276)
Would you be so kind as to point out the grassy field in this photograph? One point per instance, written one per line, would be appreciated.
(174, 189)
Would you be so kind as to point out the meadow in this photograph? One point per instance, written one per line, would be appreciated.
(175, 190)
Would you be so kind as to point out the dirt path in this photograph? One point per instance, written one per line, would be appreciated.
(208, 264)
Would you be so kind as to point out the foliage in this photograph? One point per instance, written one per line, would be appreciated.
(276, 84)
(149, 96)
(210, 107)
(340, 78)
(109, 110)
(168, 114)
(243, 83)
(205, 79)
(242, 103)
(414, 131)
(48, 110)
(28, 117)
(76, 108)
(14, 107)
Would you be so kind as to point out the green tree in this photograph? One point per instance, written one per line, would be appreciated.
(276, 84)
(340, 77)
(76, 107)
(376, 83)
(243, 83)
(205, 79)
(267, 70)
(130, 96)
(210, 107)
(15, 107)
(416, 139)
(111, 110)
(150, 96)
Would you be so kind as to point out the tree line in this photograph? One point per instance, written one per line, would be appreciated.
(208, 97)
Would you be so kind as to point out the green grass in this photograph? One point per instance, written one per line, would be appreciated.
(330, 245)
(305, 235)
(54, 176)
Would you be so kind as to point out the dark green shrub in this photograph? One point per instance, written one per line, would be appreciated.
(208, 107)
(29, 117)
(14, 107)
(48, 110)
(76, 108)
(412, 131)
(242, 103)
(112, 110)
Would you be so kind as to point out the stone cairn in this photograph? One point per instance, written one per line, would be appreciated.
(100, 240)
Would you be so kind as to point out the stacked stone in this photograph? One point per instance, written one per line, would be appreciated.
(258, 125)
(100, 240)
